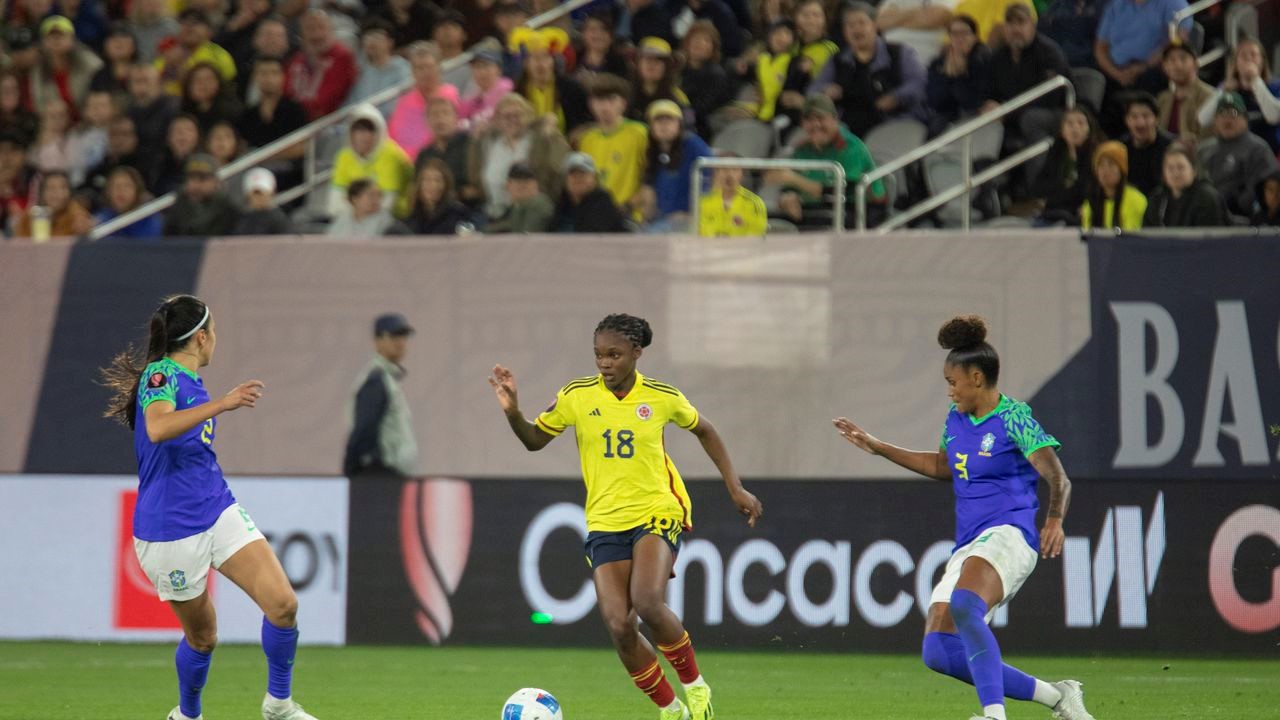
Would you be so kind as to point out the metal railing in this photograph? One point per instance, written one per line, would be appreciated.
(702, 163)
(963, 134)
(1206, 58)
(308, 134)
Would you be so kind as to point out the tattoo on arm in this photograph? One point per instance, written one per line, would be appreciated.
(1046, 462)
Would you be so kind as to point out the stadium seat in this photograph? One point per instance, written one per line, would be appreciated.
(889, 141)
(778, 225)
(746, 138)
(1090, 85)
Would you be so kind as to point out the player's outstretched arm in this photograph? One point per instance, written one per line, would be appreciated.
(1046, 462)
(929, 463)
(504, 386)
(166, 423)
(747, 503)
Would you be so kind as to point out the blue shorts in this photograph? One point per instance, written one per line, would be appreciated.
(606, 547)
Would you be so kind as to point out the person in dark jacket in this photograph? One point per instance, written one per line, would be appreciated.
(435, 209)
(703, 79)
(1182, 199)
(1268, 213)
(1145, 141)
(261, 216)
(202, 208)
(585, 207)
(1063, 181)
(1026, 59)
(959, 76)
(645, 18)
(381, 441)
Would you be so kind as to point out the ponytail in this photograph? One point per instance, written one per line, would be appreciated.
(171, 326)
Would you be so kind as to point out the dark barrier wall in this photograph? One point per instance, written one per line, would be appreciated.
(1181, 375)
(1171, 566)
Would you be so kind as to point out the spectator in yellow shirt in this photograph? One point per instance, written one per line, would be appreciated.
(1113, 202)
(617, 145)
(194, 46)
(731, 210)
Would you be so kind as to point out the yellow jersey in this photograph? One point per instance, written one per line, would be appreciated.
(629, 477)
(745, 216)
(620, 158)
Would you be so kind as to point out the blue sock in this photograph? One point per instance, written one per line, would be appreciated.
(280, 645)
(193, 670)
(944, 653)
(980, 647)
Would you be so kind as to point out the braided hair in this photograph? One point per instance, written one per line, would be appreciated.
(179, 316)
(966, 337)
(635, 329)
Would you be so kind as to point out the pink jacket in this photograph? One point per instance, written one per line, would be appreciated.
(478, 108)
(408, 123)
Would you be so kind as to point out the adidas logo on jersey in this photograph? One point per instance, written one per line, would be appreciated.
(595, 412)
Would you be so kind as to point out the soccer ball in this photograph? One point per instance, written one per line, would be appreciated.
(532, 704)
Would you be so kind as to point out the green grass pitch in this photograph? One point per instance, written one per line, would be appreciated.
(57, 681)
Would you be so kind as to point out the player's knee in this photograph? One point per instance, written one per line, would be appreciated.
(203, 641)
(649, 605)
(620, 627)
(967, 607)
(283, 612)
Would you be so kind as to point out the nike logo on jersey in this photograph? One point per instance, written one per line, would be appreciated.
(190, 400)
(595, 412)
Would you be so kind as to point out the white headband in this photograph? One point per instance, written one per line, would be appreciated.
(199, 325)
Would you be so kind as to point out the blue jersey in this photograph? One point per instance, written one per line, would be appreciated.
(994, 482)
(181, 491)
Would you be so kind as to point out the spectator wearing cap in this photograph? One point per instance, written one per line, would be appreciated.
(1024, 60)
(408, 122)
(120, 52)
(150, 109)
(450, 36)
(1249, 75)
(16, 118)
(364, 215)
(703, 78)
(596, 50)
(15, 180)
(67, 217)
(515, 135)
(194, 46)
(1178, 105)
(411, 20)
(320, 74)
(381, 440)
(451, 145)
(260, 215)
(585, 207)
(275, 114)
(1112, 202)
(918, 24)
(733, 35)
(542, 81)
(645, 18)
(487, 85)
(123, 192)
(1131, 39)
(960, 76)
(434, 208)
(730, 210)
(1234, 159)
(672, 152)
(1182, 199)
(369, 153)
(380, 67)
(617, 144)
(151, 21)
(656, 77)
(990, 15)
(872, 80)
(1145, 141)
(531, 211)
(66, 67)
(804, 197)
(202, 208)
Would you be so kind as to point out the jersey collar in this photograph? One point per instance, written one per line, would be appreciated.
(1004, 403)
(170, 361)
(603, 386)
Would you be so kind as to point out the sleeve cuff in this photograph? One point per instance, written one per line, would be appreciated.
(547, 428)
(1044, 444)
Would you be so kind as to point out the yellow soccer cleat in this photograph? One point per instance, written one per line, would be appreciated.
(677, 711)
(699, 697)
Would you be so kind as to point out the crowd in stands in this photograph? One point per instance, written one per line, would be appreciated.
(595, 122)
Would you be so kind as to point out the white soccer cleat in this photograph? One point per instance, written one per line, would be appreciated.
(1071, 706)
(276, 709)
(176, 714)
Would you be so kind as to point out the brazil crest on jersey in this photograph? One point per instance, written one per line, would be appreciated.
(630, 480)
(181, 491)
(994, 482)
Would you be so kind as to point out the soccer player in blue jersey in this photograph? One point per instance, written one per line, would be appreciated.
(186, 519)
(992, 451)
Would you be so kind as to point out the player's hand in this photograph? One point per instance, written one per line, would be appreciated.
(856, 435)
(504, 386)
(748, 505)
(1051, 538)
(245, 394)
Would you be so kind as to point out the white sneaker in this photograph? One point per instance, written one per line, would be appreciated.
(176, 714)
(1071, 706)
(287, 709)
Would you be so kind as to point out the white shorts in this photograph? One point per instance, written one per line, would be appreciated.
(1008, 552)
(180, 568)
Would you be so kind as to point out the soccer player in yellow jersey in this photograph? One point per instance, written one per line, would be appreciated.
(618, 145)
(637, 506)
(731, 210)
